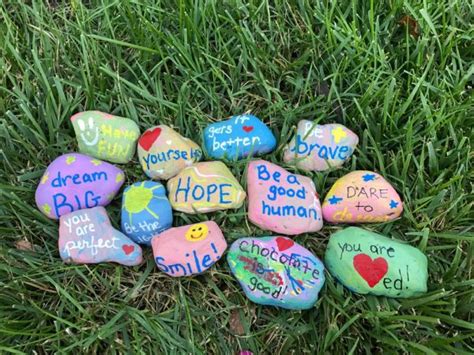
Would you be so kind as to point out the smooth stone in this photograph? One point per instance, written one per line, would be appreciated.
(75, 181)
(276, 271)
(188, 250)
(146, 211)
(367, 262)
(163, 152)
(87, 237)
(362, 197)
(238, 137)
(205, 187)
(106, 136)
(320, 147)
(280, 201)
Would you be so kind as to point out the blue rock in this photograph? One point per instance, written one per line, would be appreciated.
(146, 211)
(238, 137)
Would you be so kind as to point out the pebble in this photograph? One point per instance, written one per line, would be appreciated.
(238, 137)
(369, 263)
(163, 152)
(276, 271)
(362, 197)
(280, 201)
(320, 147)
(188, 250)
(205, 187)
(87, 237)
(75, 181)
(105, 136)
(146, 211)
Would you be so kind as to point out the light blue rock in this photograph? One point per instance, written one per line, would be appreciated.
(238, 137)
(146, 211)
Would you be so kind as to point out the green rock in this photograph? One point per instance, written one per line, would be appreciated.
(104, 136)
(367, 262)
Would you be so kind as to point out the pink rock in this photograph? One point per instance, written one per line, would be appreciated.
(320, 147)
(87, 237)
(280, 201)
(361, 197)
(188, 250)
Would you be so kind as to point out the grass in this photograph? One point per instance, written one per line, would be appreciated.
(405, 86)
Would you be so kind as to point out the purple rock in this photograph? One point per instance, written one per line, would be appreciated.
(76, 181)
(87, 237)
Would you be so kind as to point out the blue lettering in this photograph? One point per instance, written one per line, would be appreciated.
(323, 153)
(344, 149)
(222, 194)
(61, 204)
(272, 196)
(301, 147)
(196, 260)
(195, 188)
(207, 261)
(210, 190)
(263, 173)
(75, 179)
(93, 199)
(185, 190)
(162, 266)
(176, 268)
(287, 210)
(292, 179)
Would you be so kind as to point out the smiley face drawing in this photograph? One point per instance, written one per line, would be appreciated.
(89, 132)
(197, 232)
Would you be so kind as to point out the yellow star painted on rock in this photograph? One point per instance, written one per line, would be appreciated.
(70, 160)
(46, 208)
(96, 162)
(119, 177)
(45, 178)
(338, 134)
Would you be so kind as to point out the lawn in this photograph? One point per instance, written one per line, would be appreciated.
(399, 74)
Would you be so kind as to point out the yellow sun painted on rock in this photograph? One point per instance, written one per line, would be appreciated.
(197, 232)
(138, 198)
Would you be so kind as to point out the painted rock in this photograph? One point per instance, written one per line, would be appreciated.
(205, 187)
(163, 152)
(280, 201)
(146, 211)
(105, 136)
(276, 271)
(76, 181)
(360, 197)
(188, 250)
(238, 137)
(320, 147)
(87, 237)
(367, 262)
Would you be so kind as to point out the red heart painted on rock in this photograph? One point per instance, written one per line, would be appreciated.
(128, 249)
(149, 137)
(247, 128)
(371, 271)
(284, 243)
